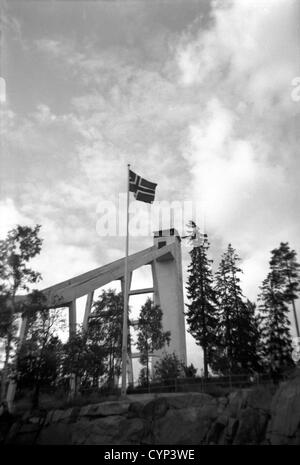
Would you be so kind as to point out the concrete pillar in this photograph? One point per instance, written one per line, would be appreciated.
(12, 386)
(129, 369)
(72, 331)
(72, 318)
(88, 308)
(129, 359)
(168, 281)
(129, 283)
(156, 299)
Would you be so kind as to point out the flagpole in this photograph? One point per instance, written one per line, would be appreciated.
(125, 292)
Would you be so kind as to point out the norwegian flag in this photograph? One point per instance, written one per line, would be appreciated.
(143, 190)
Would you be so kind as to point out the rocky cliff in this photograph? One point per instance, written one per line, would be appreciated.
(248, 416)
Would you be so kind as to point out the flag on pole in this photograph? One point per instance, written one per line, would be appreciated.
(143, 190)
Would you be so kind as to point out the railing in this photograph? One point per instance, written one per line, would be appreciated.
(211, 384)
(58, 397)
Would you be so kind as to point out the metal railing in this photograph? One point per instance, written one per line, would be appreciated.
(56, 397)
(211, 384)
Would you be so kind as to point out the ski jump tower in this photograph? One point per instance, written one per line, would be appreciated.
(164, 257)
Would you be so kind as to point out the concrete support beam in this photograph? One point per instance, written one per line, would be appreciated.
(146, 290)
(135, 355)
(72, 318)
(156, 299)
(23, 331)
(62, 294)
(88, 308)
(167, 279)
(129, 359)
(129, 369)
(129, 283)
(11, 391)
(72, 332)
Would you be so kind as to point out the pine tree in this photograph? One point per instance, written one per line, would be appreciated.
(202, 309)
(238, 326)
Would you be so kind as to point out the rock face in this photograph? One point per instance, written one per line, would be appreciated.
(284, 426)
(246, 416)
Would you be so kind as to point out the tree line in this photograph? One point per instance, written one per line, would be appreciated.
(237, 335)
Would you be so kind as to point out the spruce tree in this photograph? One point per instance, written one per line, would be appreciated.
(278, 290)
(247, 342)
(238, 327)
(167, 369)
(285, 261)
(202, 309)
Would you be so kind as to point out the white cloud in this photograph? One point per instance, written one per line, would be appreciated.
(51, 46)
(242, 145)
(210, 117)
(10, 217)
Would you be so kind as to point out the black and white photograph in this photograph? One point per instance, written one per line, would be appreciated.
(149, 225)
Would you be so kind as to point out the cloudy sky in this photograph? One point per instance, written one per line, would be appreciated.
(199, 96)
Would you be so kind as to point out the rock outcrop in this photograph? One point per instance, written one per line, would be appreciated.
(284, 425)
(247, 416)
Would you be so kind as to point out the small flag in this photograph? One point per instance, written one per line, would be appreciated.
(143, 190)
